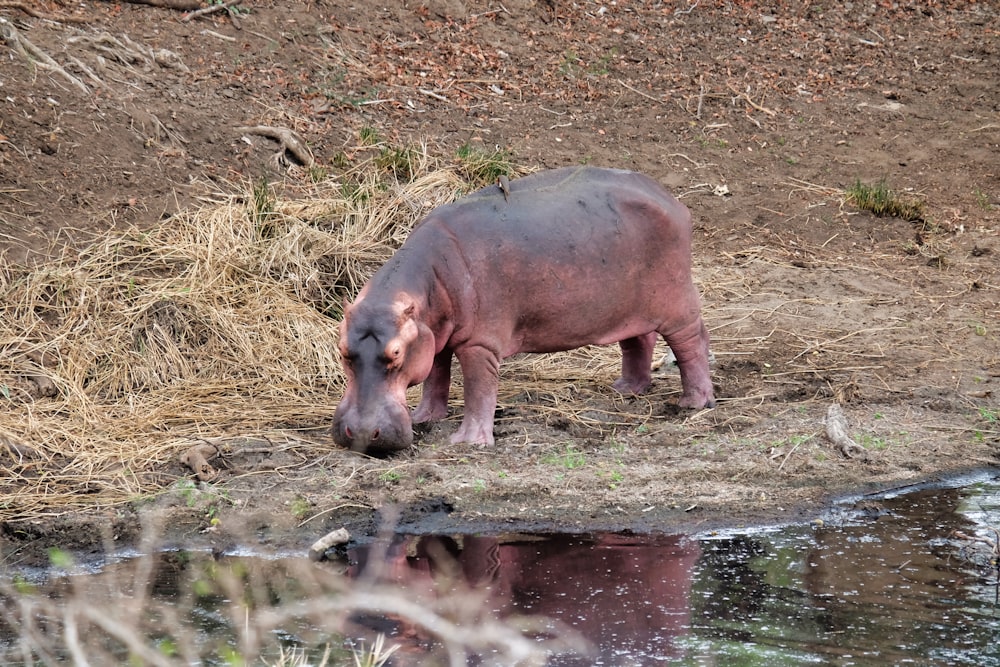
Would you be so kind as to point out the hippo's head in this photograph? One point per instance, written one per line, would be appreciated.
(384, 349)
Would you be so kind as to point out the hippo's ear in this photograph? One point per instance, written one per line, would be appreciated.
(405, 307)
(345, 307)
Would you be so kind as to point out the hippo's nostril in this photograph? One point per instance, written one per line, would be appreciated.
(375, 434)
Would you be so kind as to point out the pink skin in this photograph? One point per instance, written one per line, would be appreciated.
(384, 350)
(571, 257)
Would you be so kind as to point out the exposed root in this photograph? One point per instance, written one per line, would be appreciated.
(35, 55)
(129, 52)
(289, 141)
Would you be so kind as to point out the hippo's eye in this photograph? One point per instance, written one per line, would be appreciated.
(392, 357)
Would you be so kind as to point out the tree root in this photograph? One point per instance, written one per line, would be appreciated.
(31, 53)
(128, 52)
(289, 141)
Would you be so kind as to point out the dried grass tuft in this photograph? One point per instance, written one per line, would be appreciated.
(220, 321)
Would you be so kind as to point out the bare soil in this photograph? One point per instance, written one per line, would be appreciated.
(758, 115)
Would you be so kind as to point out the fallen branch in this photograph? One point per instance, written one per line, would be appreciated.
(289, 141)
(836, 432)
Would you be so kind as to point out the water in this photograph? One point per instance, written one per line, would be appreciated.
(894, 583)
(904, 578)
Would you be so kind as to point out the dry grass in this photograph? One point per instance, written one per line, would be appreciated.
(220, 321)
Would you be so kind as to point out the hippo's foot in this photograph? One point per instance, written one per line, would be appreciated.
(473, 433)
(637, 354)
(625, 385)
(697, 400)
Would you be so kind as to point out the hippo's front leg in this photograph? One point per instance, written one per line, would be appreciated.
(637, 356)
(480, 370)
(434, 400)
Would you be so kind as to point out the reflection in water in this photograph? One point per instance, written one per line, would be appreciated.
(891, 580)
(887, 582)
(628, 596)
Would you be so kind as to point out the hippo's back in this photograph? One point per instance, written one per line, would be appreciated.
(593, 254)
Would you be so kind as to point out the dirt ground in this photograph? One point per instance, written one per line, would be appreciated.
(757, 114)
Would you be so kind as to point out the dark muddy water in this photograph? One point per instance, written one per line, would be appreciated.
(908, 577)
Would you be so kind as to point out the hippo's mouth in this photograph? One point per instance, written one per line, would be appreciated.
(387, 431)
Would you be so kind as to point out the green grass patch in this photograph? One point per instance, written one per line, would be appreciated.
(882, 201)
(570, 459)
(989, 415)
(482, 166)
(402, 161)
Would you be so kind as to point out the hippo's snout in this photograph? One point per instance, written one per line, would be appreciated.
(386, 428)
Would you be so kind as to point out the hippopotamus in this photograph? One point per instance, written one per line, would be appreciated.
(549, 262)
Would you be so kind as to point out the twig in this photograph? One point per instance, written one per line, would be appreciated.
(678, 12)
(701, 96)
(334, 509)
(639, 92)
(756, 106)
(210, 10)
(289, 141)
(431, 93)
(212, 33)
(96, 80)
(697, 165)
(790, 452)
(799, 184)
(834, 341)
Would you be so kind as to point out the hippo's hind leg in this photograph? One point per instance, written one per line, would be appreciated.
(637, 359)
(434, 400)
(690, 347)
